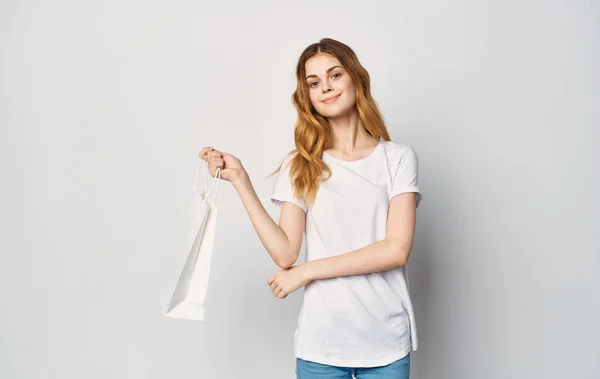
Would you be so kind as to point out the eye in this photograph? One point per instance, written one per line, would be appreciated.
(333, 76)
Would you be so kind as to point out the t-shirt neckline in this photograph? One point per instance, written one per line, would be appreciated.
(372, 153)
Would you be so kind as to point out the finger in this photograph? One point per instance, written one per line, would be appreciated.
(205, 150)
(216, 160)
(202, 154)
(271, 279)
(282, 295)
(214, 154)
(213, 171)
(277, 291)
(274, 285)
(213, 167)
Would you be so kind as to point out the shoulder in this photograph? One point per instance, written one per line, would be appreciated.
(287, 158)
(285, 162)
(396, 150)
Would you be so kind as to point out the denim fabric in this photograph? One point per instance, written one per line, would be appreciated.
(310, 370)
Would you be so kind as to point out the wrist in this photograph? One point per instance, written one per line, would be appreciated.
(240, 178)
(308, 271)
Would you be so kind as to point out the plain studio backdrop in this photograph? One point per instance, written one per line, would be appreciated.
(106, 104)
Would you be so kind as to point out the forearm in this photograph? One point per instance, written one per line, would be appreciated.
(379, 256)
(270, 234)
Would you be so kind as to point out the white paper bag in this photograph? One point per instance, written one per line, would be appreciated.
(184, 288)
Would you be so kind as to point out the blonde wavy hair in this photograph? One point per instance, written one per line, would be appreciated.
(312, 132)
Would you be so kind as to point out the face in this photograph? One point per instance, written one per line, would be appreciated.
(330, 88)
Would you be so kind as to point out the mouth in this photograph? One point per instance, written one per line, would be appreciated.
(331, 99)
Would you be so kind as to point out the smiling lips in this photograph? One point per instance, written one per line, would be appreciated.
(331, 99)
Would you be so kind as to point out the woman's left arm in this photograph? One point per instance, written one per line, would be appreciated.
(391, 252)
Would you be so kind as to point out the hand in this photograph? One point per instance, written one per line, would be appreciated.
(231, 167)
(286, 281)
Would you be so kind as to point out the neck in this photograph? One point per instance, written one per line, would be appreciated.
(349, 133)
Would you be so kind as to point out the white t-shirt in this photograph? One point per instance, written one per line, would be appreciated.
(360, 320)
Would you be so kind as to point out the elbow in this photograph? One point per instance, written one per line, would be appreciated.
(399, 251)
(402, 259)
(285, 266)
(401, 254)
(287, 261)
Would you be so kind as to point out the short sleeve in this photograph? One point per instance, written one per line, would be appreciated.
(283, 190)
(406, 177)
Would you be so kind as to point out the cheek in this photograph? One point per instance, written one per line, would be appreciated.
(351, 95)
(312, 97)
(347, 85)
(350, 92)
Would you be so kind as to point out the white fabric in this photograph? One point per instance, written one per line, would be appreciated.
(185, 285)
(361, 320)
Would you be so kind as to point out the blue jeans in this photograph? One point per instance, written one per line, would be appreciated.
(311, 370)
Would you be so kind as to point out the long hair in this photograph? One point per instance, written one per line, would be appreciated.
(312, 132)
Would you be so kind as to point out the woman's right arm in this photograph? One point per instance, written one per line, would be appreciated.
(283, 241)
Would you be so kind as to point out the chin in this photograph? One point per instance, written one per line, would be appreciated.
(332, 112)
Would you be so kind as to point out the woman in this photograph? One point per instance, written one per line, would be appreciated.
(353, 194)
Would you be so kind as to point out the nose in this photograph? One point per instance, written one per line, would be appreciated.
(326, 87)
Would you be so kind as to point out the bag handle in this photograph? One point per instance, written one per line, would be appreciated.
(216, 180)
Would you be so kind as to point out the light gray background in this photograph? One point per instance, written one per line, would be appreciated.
(105, 104)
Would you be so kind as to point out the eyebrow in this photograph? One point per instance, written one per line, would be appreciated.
(328, 71)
